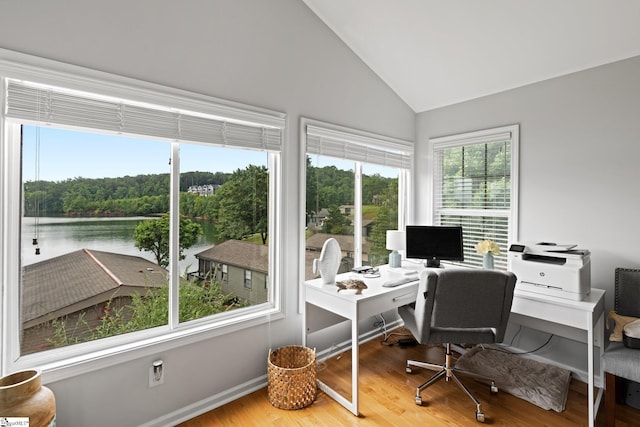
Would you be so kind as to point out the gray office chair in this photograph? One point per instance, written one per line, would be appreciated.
(461, 306)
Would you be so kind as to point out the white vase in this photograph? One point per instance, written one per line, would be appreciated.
(487, 261)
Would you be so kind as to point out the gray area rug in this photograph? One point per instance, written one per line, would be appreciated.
(543, 385)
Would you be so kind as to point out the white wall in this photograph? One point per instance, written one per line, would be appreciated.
(274, 54)
(579, 171)
(579, 151)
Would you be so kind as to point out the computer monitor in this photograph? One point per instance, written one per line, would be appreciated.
(434, 243)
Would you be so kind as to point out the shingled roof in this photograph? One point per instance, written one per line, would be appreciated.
(77, 278)
(345, 241)
(251, 256)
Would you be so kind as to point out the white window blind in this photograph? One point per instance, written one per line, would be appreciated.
(357, 147)
(475, 182)
(54, 105)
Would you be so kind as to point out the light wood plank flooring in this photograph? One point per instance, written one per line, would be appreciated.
(387, 399)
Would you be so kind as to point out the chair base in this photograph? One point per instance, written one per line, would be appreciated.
(448, 371)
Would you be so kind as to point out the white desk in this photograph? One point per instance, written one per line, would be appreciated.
(374, 300)
(570, 319)
(586, 316)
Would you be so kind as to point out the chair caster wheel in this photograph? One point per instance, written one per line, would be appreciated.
(494, 388)
(408, 370)
(480, 417)
(418, 400)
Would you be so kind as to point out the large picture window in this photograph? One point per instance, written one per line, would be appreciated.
(475, 179)
(356, 190)
(123, 207)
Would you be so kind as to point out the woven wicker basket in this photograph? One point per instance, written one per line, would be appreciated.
(291, 374)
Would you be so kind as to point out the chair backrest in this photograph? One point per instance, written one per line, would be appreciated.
(627, 295)
(471, 299)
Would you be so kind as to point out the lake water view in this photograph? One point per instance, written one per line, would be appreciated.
(61, 235)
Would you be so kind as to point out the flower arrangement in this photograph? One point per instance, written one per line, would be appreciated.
(488, 246)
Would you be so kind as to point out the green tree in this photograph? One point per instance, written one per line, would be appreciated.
(336, 223)
(386, 219)
(372, 186)
(146, 311)
(474, 176)
(328, 186)
(313, 201)
(153, 235)
(242, 204)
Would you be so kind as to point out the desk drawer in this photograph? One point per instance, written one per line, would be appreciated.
(551, 313)
(386, 301)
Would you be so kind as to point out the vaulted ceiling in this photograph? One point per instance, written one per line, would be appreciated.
(434, 53)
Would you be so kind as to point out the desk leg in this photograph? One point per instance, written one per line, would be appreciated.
(594, 404)
(353, 404)
(590, 350)
(355, 365)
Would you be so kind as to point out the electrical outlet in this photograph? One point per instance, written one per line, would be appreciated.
(156, 373)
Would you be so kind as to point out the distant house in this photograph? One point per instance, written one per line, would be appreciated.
(317, 219)
(314, 243)
(77, 288)
(367, 227)
(203, 190)
(239, 267)
(314, 246)
(346, 209)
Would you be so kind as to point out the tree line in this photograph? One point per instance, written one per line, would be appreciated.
(149, 194)
(329, 187)
(238, 207)
(121, 196)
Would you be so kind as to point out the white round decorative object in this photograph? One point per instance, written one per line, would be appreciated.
(329, 262)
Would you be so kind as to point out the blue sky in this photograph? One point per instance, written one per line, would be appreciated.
(69, 154)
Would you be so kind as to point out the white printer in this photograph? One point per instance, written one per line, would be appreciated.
(551, 269)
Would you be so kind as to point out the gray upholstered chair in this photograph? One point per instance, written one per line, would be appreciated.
(619, 361)
(459, 306)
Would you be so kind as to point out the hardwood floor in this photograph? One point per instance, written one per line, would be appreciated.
(387, 399)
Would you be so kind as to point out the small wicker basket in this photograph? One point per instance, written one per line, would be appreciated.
(291, 375)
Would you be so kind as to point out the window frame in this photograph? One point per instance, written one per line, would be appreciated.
(224, 273)
(66, 362)
(508, 132)
(354, 139)
(247, 279)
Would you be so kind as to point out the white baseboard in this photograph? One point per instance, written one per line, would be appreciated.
(213, 402)
(208, 404)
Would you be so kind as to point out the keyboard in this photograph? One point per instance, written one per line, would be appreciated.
(400, 281)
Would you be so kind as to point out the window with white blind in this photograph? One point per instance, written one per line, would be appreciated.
(117, 192)
(356, 190)
(475, 178)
